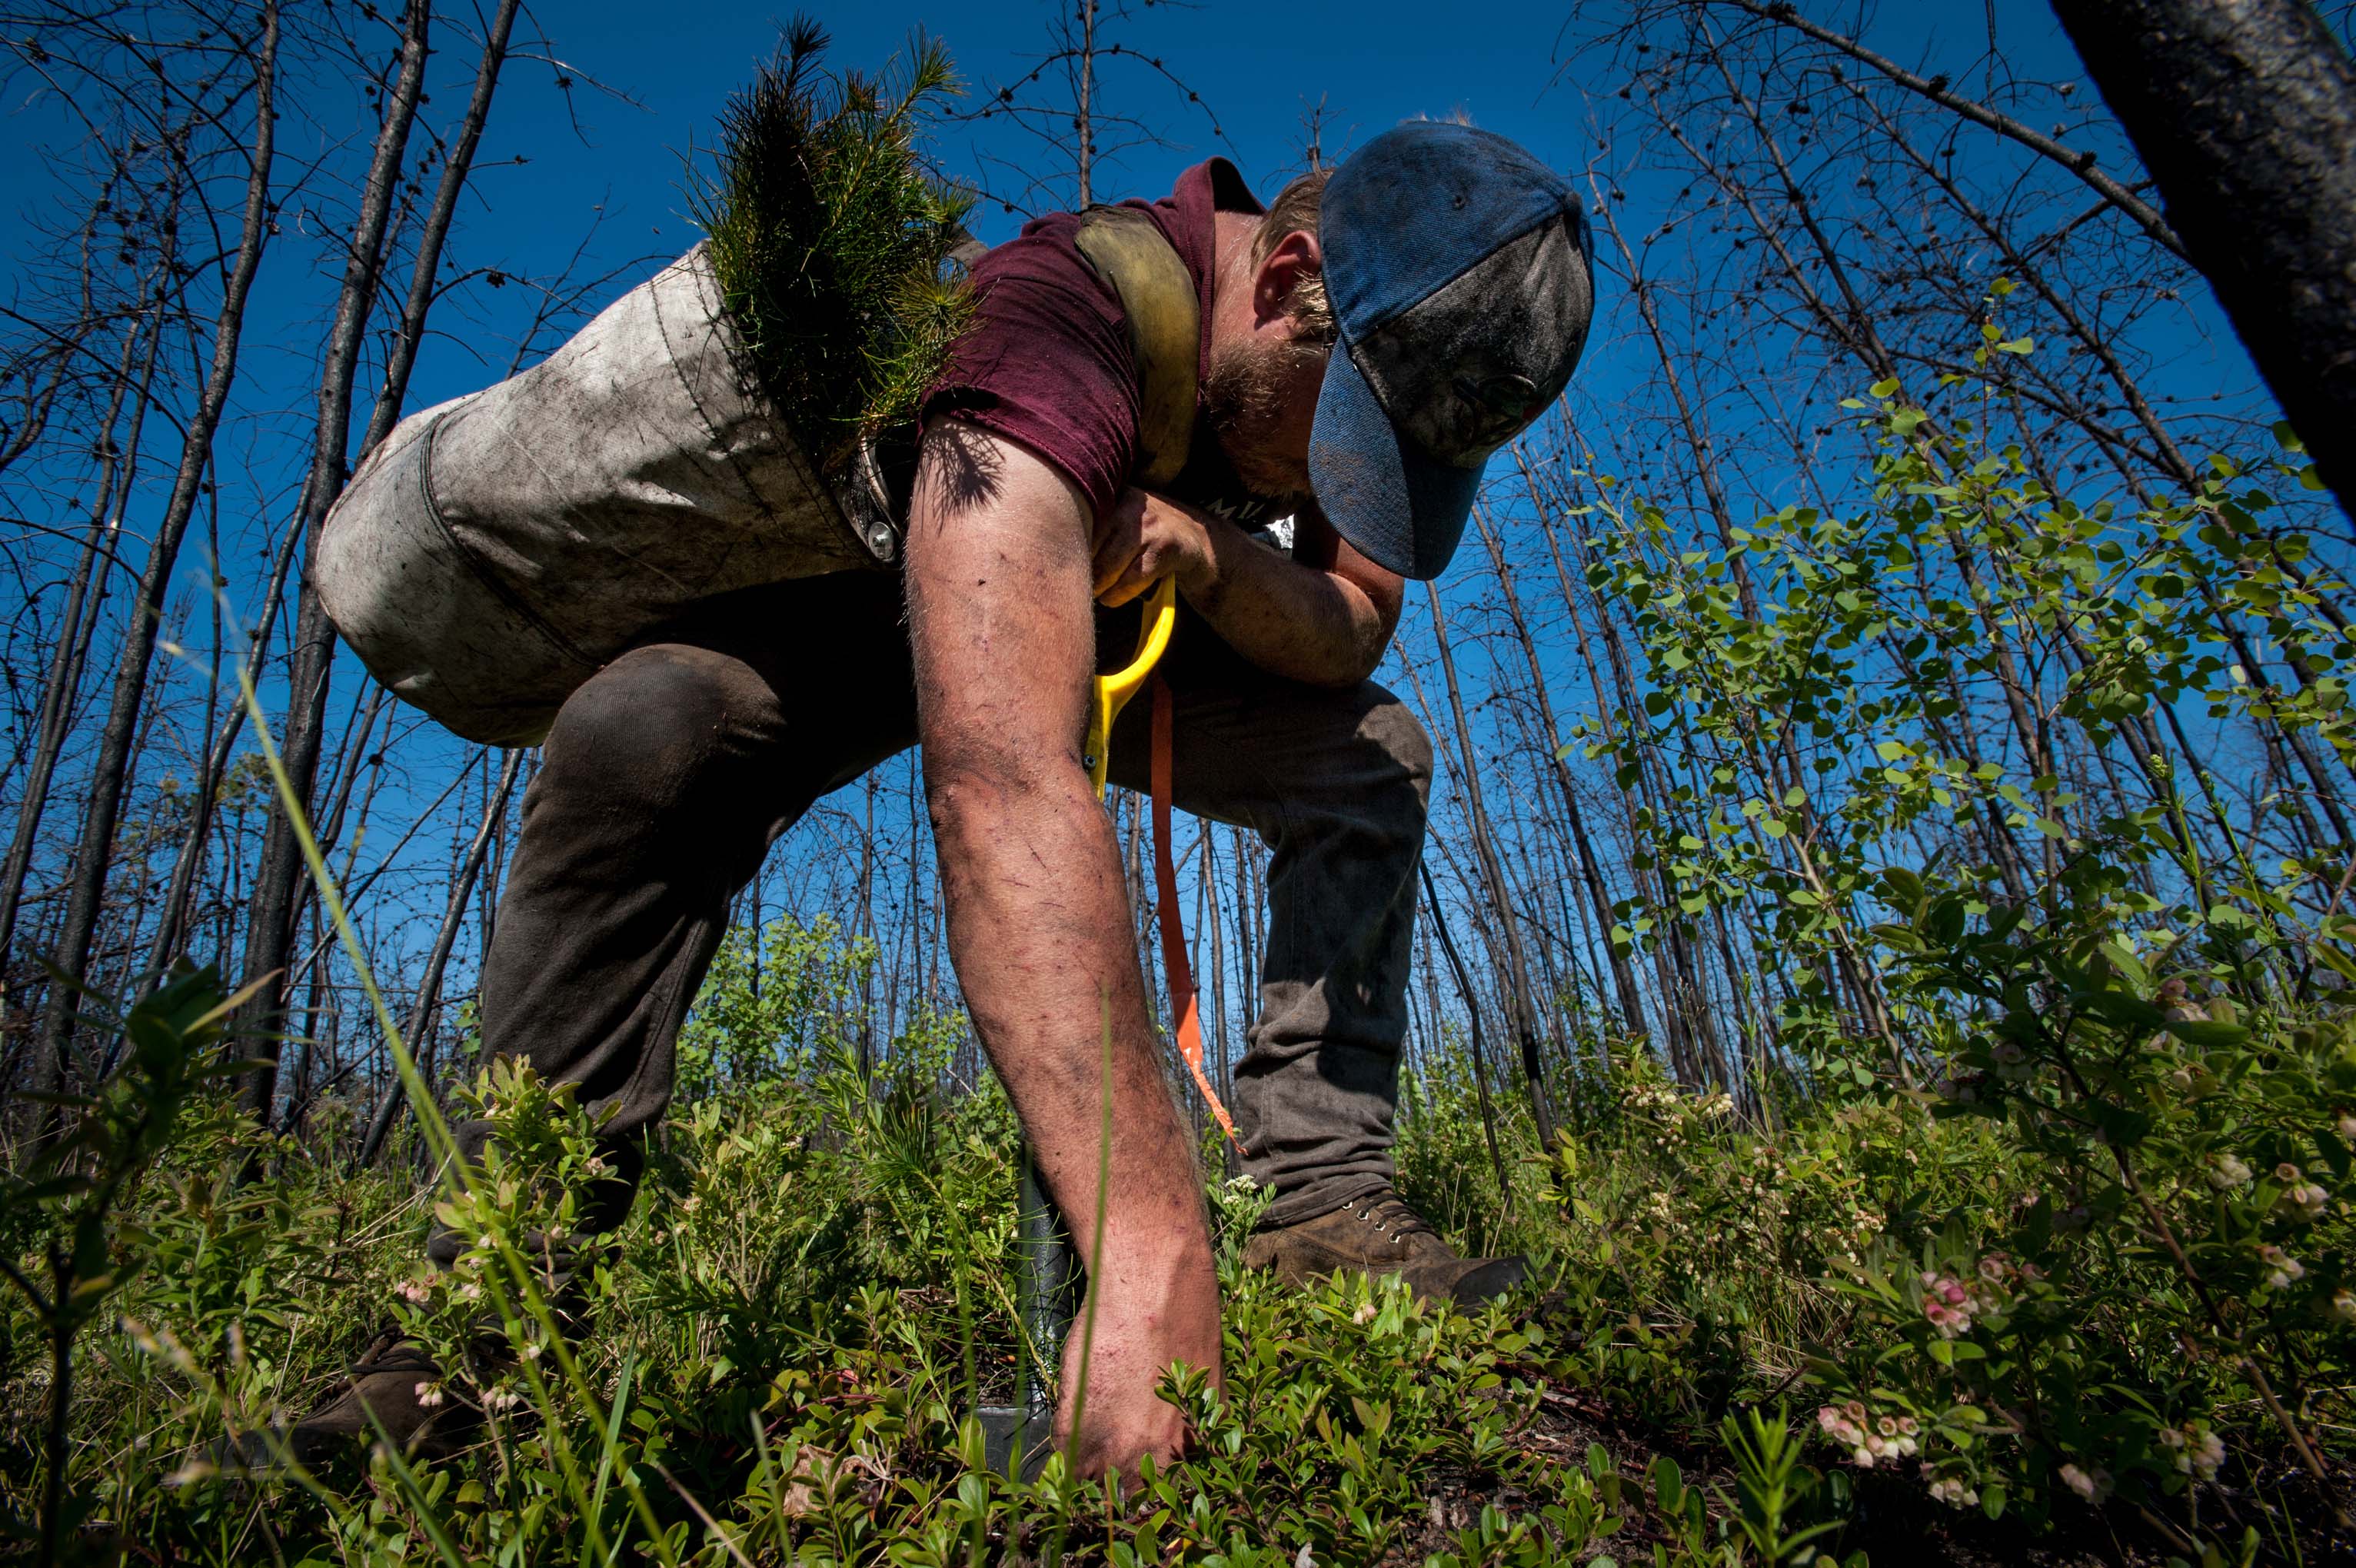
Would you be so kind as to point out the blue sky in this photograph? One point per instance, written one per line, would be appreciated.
(604, 176)
(610, 169)
(1260, 68)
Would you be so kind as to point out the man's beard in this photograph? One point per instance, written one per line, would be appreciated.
(1245, 395)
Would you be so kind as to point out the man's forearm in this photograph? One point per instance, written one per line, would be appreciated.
(1290, 619)
(1039, 923)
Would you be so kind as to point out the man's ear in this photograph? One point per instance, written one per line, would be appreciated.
(1295, 257)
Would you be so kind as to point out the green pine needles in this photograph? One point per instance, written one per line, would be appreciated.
(831, 236)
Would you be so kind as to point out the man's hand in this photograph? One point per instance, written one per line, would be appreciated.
(1146, 538)
(1324, 616)
(999, 583)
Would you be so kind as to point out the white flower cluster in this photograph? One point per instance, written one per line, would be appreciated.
(1649, 1098)
(2093, 1486)
(2281, 1267)
(1870, 1438)
(2198, 1451)
(1661, 1105)
(2303, 1199)
(2225, 1173)
(1953, 1491)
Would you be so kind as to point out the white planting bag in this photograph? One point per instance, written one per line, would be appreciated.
(496, 550)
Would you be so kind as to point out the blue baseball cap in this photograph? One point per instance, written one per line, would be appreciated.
(1458, 268)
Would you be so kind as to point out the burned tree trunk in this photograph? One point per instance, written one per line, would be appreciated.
(419, 1029)
(278, 892)
(2245, 115)
(119, 739)
(1492, 872)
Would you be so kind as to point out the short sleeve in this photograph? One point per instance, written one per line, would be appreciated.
(1047, 363)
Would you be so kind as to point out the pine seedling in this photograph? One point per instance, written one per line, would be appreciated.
(830, 237)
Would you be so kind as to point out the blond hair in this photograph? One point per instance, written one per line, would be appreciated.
(1294, 211)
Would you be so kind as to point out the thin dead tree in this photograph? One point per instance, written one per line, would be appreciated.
(1502, 904)
(280, 882)
(117, 739)
(418, 1029)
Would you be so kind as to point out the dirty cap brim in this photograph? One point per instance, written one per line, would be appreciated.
(1406, 511)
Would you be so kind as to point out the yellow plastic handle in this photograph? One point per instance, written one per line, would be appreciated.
(1113, 692)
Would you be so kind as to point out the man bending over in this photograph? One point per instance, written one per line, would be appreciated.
(1364, 345)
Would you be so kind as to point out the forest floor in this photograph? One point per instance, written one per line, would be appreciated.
(1727, 1359)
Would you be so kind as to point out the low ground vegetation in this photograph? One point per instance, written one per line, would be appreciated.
(2085, 1300)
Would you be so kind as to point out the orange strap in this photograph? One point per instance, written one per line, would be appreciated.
(1179, 972)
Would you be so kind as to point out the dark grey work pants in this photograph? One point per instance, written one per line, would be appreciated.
(667, 776)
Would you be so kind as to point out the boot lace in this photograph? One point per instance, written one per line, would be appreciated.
(1390, 1215)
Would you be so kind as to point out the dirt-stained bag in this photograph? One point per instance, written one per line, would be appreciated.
(495, 551)
(499, 550)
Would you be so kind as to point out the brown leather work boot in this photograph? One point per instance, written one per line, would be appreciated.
(395, 1379)
(1381, 1235)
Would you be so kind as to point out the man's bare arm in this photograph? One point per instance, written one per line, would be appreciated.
(998, 581)
(1324, 616)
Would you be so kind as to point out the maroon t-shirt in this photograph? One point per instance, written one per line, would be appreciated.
(1047, 361)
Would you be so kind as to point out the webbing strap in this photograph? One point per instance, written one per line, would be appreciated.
(1164, 318)
(1174, 967)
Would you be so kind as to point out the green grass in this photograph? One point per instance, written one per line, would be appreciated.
(816, 1288)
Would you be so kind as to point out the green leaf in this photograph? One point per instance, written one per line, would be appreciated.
(2205, 1034)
